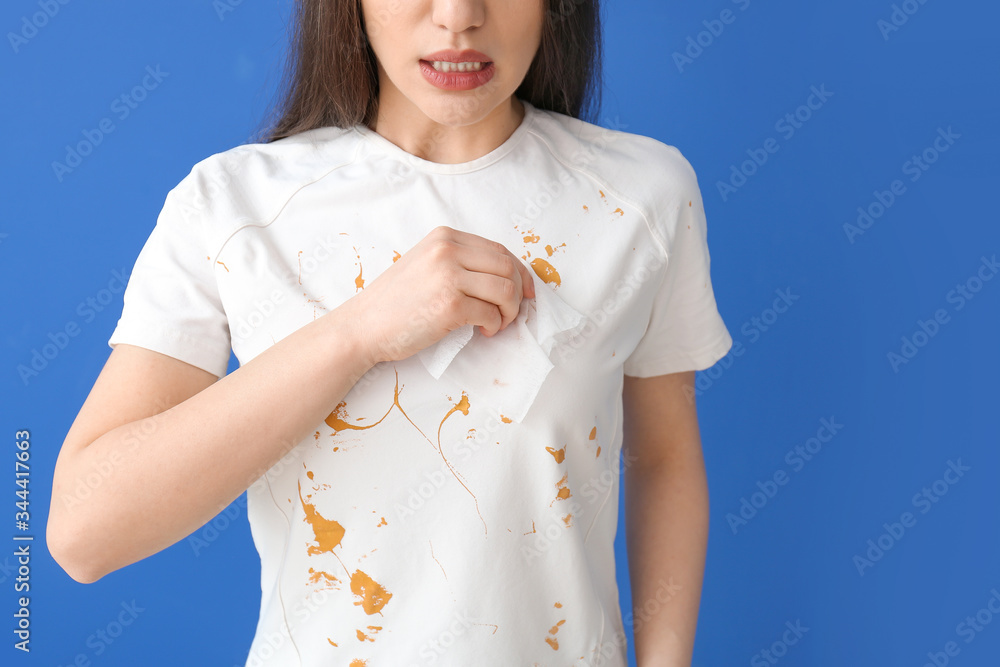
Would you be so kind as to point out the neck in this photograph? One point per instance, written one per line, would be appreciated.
(404, 124)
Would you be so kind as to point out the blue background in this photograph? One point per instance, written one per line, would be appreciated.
(826, 356)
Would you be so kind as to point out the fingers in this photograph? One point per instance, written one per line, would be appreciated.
(497, 292)
(482, 254)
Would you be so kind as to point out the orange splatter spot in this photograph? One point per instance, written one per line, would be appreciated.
(593, 433)
(362, 636)
(335, 419)
(332, 643)
(373, 595)
(490, 625)
(208, 257)
(598, 451)
(319, 576)
(545, 271)
(551, 639)
(357, 662)
(563, 490)
(602, 194)
(585, 208)
(689, 203)
(224, 266)
(316, 435)
(310, 474)
(566, 519)
(618, 211)
(549, 249)
(395, 255)
(328, 533)
(558, 604)
(505, 420)
(531, 238)
(557, 454)
(383, 522)
(359, 282)
(530, 532)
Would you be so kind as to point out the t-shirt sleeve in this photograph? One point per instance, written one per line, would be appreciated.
(685, 330)
(172, 303)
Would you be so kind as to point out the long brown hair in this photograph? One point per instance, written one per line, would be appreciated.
(331, 74)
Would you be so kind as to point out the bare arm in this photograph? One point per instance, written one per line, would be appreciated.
(666, 514)
(167, 445)
(160, 446)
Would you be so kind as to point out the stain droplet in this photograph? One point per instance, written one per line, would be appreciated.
(558, 454)
(373, 595)
(545, 271)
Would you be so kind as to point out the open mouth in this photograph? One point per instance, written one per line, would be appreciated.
(447, 67)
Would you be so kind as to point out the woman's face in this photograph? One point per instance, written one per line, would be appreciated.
(406, 34)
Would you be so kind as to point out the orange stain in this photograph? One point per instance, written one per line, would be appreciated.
(382, 522)
(373, 595)
(357, 662)
(362, 636)
(335, 419)
(585, 208)
(602, 194)
(224, 266)
(359, 282)
(689, 203)
(319, 576)
(557, 454)
(531, 238)
(549, 249)
(463, 407)
(545, 271)
(395, 255)
(505, 420)
(551, 639)
(566, 519)
(532, 528)
(328, 533)
(558, 604)
(332, 643)
(310, 474)
(598, 451)
(593, 433)
(563, 492)
(618, 211)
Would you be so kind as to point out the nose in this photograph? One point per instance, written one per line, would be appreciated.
(458, 15)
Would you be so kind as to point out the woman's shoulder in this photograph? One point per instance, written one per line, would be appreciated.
(289, 158)
(246, 182)
(643, 169)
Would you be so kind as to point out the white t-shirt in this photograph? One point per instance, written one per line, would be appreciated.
(419, 525)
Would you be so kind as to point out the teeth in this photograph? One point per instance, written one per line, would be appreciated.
(445, 66)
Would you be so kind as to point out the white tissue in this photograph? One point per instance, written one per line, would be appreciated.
(506, 370)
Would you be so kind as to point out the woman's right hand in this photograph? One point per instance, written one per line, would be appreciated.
(450, 278)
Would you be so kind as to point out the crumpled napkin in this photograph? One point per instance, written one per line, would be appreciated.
(508, 369)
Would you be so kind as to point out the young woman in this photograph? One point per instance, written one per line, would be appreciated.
(417, 496)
